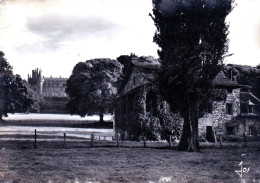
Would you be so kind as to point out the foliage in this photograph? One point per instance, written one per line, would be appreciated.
(6, 78)
(245, 75)
(24, 98)
(134, 122)
(15, 95)
(141, 113)
(93, 86)
(219, 94)
(192, 36)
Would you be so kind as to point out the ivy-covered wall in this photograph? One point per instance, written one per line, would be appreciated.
(143, 114)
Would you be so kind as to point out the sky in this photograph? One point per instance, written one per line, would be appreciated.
(54, 35)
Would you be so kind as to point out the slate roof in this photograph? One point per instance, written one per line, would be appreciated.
(245, 97)
(222, 81)
(146, 62)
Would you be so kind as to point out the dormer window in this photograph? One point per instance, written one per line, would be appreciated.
(250, 109)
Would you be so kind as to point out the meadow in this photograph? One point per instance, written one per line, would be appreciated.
(107, 160)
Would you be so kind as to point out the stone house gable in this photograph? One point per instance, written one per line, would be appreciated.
(139, 111)
(224, 108)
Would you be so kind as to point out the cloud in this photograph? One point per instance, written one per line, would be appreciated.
(53, 30)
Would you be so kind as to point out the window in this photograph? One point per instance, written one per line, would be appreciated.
(229, 109)
(251, 130)
(250, 109)
(229, 90)
(161, 106)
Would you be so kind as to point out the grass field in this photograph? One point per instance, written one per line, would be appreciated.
(81, 163)
(78, 162)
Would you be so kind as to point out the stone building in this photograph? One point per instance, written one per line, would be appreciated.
(248, 122)
(232, 107)
(51, 91)
(139, 112)
(225, 106)
(235, 112)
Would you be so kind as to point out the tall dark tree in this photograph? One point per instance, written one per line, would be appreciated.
(92, 86)
(192, 36)
(14, 94)
(6, 79)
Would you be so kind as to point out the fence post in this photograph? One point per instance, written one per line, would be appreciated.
(64, 145)
(105, 138)
(117, 140)
(35, 137)
(170, 141)
(244, 135)
(92, 139)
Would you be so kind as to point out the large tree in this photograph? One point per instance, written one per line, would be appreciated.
(192, 36)
(6, 79)
(14, 92)
(92, 86)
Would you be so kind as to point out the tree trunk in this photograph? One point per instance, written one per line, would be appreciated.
(1, 115)
(101, 117)
(185, 136)
(144, 139)
(1, 109)
(189, 140)
(220, 140)
(101, 114)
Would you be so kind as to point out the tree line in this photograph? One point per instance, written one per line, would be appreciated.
(15, 93)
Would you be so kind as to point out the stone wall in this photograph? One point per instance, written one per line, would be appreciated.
(243, 124)
(219, 116)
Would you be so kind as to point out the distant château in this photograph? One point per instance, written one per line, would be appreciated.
(47, 87)
(51, 91)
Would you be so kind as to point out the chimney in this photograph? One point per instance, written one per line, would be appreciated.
(230, 74)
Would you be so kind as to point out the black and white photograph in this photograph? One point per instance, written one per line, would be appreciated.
(138, 91)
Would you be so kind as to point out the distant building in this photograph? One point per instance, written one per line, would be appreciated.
(51, 90)
(54, 87)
